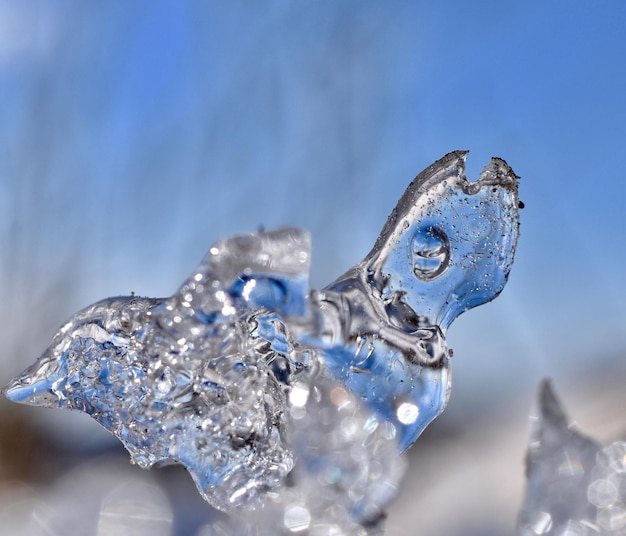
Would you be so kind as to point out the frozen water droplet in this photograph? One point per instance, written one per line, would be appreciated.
(431, 253)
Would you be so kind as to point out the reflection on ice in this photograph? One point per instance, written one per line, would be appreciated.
(272, 394)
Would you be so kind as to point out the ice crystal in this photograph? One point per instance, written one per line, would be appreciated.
(269, 393)
(575, 487)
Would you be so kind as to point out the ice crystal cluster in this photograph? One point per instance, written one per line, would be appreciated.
(575, 486)
(277, 396)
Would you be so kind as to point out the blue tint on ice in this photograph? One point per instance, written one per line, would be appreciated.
(205, 378)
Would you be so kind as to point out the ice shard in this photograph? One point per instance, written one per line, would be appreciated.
(575, 487)
(213, 376)
(448, 246)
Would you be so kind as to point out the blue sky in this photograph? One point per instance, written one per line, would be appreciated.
(132, 136)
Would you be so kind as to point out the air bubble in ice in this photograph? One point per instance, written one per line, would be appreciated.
(431, 253)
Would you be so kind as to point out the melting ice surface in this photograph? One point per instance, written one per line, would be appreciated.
(258, 385)
(575, 487)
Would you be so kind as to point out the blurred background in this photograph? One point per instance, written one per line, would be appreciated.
(135, 134)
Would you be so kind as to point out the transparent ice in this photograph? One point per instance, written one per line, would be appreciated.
(258, 385)
(575, 486)
(348, 468)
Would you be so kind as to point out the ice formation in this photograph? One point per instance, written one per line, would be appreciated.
(259, 386)
(347, 470)
(575, 487)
